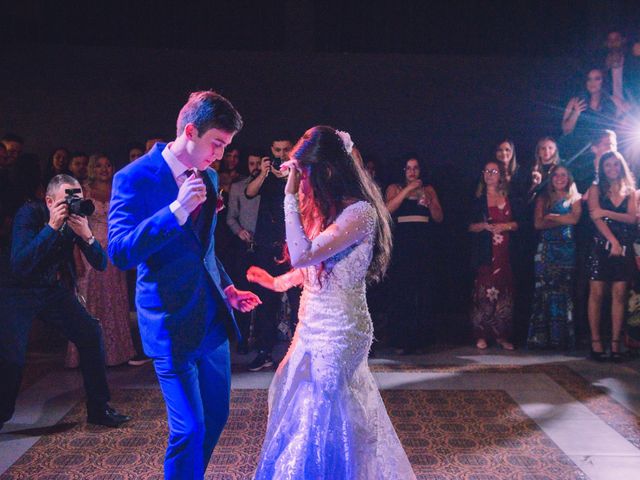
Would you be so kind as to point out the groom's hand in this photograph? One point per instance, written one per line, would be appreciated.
(242, 300)
(192, 193)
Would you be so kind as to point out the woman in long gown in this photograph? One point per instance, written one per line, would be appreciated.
(326, 416)
(414, 207)
(105, 292)
(558, 209)
(493, 291)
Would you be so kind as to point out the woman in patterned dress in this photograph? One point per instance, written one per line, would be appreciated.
(558, 209)
(493, 291)
(105, 292)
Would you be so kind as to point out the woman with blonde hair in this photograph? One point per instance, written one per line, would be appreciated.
(546, 157)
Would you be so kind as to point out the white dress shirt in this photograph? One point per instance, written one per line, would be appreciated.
(180, 174)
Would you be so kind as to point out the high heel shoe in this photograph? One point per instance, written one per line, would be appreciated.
(596, 356)
(616, 356)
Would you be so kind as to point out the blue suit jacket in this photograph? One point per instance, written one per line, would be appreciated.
(179, 291)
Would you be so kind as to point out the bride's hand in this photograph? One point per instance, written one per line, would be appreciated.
(293, 180)
(260, 276)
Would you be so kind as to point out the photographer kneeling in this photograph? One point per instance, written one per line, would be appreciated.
(42, 283)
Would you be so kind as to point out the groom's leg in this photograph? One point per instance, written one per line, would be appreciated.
(214, 369)
(180, 387)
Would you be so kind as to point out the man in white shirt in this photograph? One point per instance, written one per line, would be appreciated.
(162, 218)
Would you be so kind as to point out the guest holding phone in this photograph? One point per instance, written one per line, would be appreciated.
(612, 207)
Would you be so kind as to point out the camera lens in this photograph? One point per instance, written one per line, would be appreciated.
(87, 207)
(81, 207)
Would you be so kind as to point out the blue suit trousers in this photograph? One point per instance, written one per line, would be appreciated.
(196, 389)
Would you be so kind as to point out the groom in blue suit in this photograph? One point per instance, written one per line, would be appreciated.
(162, 218)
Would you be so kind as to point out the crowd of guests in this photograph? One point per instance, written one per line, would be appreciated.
(576, 206)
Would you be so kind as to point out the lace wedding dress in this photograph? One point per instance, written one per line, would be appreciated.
(326, 416)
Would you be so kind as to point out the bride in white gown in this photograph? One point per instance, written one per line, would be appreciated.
(326, 417)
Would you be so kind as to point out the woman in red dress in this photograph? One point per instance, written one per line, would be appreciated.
(493, 292)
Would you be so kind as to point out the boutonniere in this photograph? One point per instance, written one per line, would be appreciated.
(219, 202)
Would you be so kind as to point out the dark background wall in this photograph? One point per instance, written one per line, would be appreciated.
(441, 77)
(448, 108)
(445, 78)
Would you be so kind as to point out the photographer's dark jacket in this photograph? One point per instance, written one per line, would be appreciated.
(42, 256)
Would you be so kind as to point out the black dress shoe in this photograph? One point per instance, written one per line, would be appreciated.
(107, 416)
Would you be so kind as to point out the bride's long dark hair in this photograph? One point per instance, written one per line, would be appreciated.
(336, 179)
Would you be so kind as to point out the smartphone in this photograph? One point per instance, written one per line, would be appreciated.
(607, 247)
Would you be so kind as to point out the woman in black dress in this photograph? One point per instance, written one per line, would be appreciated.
(612, 206)
(414, 207)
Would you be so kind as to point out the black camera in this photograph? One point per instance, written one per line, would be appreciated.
(77, 205)
(275, 162)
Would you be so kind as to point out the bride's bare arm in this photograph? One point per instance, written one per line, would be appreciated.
(281, 283)
(351, 226)
(293, 278)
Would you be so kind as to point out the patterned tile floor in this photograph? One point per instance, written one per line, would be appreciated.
(437, 429)
(460, 415)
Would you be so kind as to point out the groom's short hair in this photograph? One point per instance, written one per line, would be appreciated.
(206, 110)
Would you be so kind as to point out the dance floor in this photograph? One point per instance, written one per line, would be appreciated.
(459, 415)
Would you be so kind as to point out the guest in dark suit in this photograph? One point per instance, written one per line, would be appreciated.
(162, 219)
(269, 239)
(621, 67)
(40, 281)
